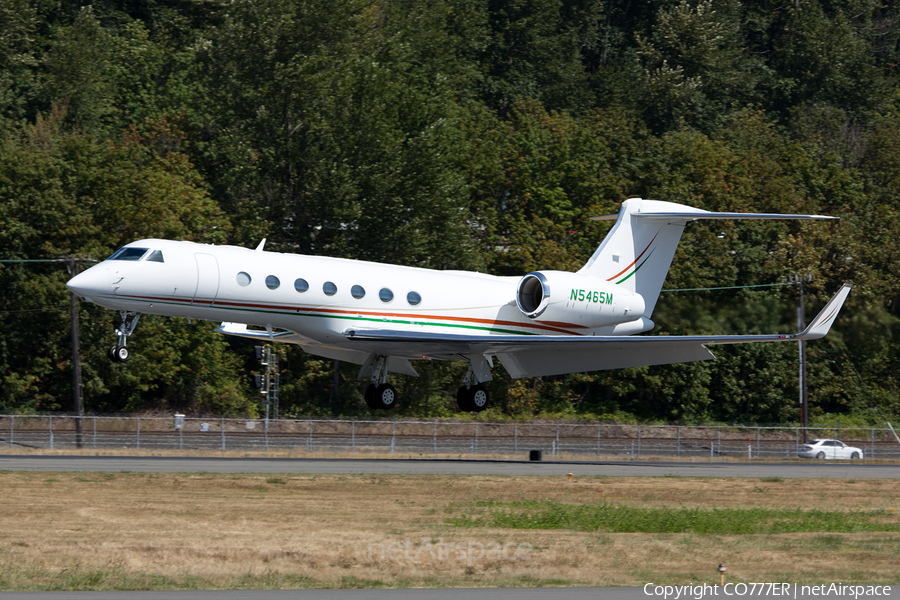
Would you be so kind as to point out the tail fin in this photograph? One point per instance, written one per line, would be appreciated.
(638, 250)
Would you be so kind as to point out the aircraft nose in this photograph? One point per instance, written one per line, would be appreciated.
(86, 285)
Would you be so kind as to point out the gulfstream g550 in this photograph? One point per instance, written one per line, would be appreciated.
(383, 317)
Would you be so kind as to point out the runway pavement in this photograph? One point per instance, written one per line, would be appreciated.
(154, 464)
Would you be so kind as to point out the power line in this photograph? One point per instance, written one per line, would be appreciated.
(47, 260)
(731, 287)
(32, 310)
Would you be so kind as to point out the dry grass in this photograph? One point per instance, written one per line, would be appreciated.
(154, 531)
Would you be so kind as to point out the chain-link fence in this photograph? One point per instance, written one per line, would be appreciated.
(427, 437)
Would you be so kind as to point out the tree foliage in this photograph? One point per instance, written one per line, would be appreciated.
(465, 134)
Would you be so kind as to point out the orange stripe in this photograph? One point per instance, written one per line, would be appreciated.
(636, 259)
(551, 326)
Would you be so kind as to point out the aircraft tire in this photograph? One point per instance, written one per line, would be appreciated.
(477, 398)
(111, 353)
(369, 395)
(462, 399)
(121, 353)
(385, 396)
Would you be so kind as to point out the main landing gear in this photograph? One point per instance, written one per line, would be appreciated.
(119, 353)
(472, 396)
(379, 395)
(472, 399)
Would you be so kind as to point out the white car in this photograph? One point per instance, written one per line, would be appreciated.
(829, 449)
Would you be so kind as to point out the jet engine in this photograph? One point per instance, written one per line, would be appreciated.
(569, 298)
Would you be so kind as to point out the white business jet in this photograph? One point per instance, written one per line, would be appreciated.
(383, 317)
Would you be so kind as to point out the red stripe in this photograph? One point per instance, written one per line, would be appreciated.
(636, 259)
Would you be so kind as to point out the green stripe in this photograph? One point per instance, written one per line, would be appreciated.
(627, 277)
(343, 317)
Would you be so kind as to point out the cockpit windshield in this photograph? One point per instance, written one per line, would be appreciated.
(126, 253)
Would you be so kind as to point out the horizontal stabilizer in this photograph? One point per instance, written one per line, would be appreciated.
(698, 214)
(691, 216)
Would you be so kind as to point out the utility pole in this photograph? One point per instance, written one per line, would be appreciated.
(77, 389)
(802, 281)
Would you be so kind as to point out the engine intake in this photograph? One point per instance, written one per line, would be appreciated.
(533, 295)
(570, 298)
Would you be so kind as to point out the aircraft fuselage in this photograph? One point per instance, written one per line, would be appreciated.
(319, 298)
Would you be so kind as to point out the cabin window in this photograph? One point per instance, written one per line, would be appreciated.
(243, 279)
(156, 256)
(329, 288)
(133, 254)
(301, 285)
(272, 282)
(357, 291)
(413, 298)
(385, 294)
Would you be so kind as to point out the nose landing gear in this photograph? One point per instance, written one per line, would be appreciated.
(119, 353)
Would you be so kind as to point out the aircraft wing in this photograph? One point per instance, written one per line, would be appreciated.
(538, 355)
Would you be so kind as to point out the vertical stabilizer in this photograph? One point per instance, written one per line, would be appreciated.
(636, 253)
(638, 250)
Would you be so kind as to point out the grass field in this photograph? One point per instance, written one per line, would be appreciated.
(95, 531)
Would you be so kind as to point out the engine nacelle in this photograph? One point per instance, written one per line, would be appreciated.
(561, 297)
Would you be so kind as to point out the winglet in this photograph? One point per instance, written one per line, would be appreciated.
(825, 319)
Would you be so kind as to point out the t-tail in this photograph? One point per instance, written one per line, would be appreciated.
(637, 252)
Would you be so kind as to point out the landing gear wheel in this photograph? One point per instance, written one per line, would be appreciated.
(477, 398)
(121, 353)
(384, 396)
(111, 353)
(370, 397)
(462, 399)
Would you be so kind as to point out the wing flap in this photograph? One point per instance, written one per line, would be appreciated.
(538, 363)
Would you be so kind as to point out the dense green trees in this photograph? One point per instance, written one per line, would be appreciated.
(476, 134)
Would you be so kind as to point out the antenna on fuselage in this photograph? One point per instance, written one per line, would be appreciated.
(261, 244)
